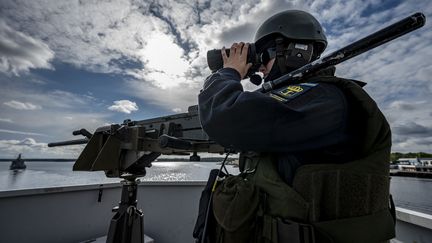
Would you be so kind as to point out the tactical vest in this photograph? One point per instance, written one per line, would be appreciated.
(327, 203)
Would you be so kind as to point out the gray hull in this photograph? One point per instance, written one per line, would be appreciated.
(74, 214)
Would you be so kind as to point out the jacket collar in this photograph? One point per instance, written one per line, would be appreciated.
(330, 71)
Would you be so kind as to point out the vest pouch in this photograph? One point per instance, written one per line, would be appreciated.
(374, 228)
(348, 202)
(338, 191)
(277, 200)
(235, 203)
(282, 200)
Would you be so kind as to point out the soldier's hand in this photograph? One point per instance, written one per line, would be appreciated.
(237, 58)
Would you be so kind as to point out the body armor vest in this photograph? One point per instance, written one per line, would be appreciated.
(327, 203)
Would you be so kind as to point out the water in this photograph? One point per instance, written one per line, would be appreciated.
(47, 174)
(60, 174)
(410, 193)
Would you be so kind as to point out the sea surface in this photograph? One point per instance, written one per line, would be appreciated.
(60, 174)
(410, 193)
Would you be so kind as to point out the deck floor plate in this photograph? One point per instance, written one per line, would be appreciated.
(104, 238)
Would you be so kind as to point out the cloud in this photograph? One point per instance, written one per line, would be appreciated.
(410, 135)
(124, 106)
(31, 147)
(169, 98)
(95, 36)
(20, 132)
(237, 33)
(166, 37)
(21, 52)
(164, 67)
(22, 105)
(5, 120)
(62, 113)
(403, 105)
(28, 142)
(413, 129)
(413, 144)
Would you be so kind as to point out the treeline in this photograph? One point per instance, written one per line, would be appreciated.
(395, 156)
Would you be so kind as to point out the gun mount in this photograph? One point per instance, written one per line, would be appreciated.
(128, 148)
(125, 150)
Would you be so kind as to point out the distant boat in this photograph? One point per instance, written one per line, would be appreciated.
(17, 164)
(411, 170)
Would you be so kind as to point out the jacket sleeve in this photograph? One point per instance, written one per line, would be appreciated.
(254, 121)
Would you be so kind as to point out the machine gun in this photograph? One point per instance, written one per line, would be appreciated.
(128, 148)
(125, 150)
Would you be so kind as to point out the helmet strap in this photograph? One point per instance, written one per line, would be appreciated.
(280, 55)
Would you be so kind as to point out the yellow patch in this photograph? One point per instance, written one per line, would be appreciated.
(290, 90)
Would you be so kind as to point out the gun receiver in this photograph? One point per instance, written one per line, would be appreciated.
(369, 42)
(129, 147)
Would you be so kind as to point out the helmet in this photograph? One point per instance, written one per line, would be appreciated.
(293, 25)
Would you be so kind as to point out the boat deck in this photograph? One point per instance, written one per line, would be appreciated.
(74, 214)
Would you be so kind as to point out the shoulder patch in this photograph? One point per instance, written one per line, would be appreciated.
(290, 92)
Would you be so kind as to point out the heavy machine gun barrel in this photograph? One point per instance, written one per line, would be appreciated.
(369, 42)
(82, 131)
(69, 142)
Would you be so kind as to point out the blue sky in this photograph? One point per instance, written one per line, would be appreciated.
(66, 65)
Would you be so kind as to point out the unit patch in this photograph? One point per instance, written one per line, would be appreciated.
(277, 97)
(289, 92)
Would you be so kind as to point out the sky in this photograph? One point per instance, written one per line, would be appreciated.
(68, 64)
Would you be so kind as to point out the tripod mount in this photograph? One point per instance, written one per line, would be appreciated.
(127, 225)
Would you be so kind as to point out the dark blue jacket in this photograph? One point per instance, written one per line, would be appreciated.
(308, 126)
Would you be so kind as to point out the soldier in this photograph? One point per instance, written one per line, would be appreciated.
(314, 154)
